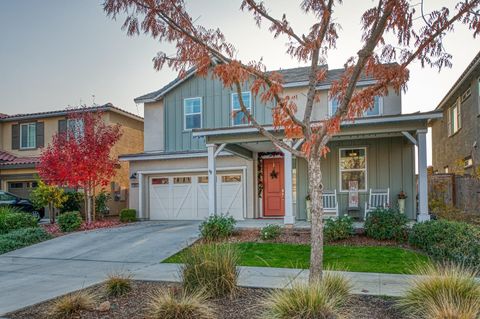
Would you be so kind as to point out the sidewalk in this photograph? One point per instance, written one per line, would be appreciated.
(263, 277)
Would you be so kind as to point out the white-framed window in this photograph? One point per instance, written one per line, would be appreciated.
(376, 110)
(192, 110)
(353, 168)
(28, 135)
(454, 118)
(76, 127)
(239, 118)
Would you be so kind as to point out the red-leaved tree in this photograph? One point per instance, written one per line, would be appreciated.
(79, 157)
(389, 34)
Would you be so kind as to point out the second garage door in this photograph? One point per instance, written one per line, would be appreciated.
(185, 197)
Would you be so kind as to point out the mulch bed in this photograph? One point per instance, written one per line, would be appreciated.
(54, 229)
(246, 305)
(302, 236)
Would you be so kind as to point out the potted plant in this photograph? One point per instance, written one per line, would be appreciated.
(401, 201)
(307, 206)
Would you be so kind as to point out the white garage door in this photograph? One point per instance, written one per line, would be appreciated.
(182, 197)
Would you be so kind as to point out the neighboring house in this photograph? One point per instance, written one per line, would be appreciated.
(22, 137)
(190, 136)
(456, 137)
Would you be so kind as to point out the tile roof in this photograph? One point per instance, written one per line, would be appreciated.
(105, 107)
(7, 159)
(2, 115)
(292, 75)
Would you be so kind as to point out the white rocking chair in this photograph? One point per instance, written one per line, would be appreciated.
(330, 204)
(378, 198)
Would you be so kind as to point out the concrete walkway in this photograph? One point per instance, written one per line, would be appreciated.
(263, 277)
(52, 268)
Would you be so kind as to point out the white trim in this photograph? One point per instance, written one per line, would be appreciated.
(289, 217)
(220, 149)
(249, 108)
(194, 113)
(380, 108)
(28, 135)
(190, 170)
(352, 170)
(169, 156)
(422, 177)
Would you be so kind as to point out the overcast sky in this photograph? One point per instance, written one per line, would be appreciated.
(59, 53)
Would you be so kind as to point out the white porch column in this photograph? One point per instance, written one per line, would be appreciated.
(140, 195)
(289, 218)
(212, 180)
(422, 177)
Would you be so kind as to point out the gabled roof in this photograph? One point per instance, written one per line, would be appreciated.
(292, 77)
(101, 108)
(7, 160)
(472, 71)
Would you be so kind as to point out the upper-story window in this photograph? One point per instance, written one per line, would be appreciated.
(28, 133)
(376, 110)
(454, 118)
(76, 127)
(239, 118)
(192, 109)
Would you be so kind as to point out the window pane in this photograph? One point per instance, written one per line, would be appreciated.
(240, 118)
(358, 176)
(160, 181)
(31, 135)
(192, 121)
(375, 110)
(334, 103)
(192, 106)
(352, 159)
(231, 178)
(202, 179)
(24, 134)
(182, 180)
(236, 102)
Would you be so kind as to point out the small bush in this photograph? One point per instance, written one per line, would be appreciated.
(210, 268)
(217, 227)
(325, 299)
(270, 232)
(128, 215)
(166, 304)
(118, 284)
(12, 218)
(448, 241)
(71, 304)
(338, 229)
(446, 291)
(386, 224)
(21, 238)
(73, 202)
(69, 221)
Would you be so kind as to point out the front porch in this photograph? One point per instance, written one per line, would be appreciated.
(388, 146)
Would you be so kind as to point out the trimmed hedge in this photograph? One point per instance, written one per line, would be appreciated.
(128, 215)
(448, 241)
(385, 224)
(337, 229)
(12, 218)
(69, 221)
(21, 238)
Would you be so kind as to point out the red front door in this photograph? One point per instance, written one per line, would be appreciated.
(273, 188)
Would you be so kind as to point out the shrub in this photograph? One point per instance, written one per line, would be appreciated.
(71, 304)
(448, 240)
(270, 232)
(12, 218)
(69, 221)
(337, 229)
(166, 304)
(128, 215)
(73, 202)
(118, 284)
(210, 268)
(101, 203)
(445, 291)
(217, 226)
(21, 238)
(386, 224)
(325, 299)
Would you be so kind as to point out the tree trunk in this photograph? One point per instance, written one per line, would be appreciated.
(94, 209)
(51, 211)
(316, 190)
(89, 206)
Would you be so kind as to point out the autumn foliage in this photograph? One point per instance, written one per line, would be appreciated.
(80, 157)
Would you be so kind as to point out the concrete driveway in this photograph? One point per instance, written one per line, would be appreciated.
(55, 267)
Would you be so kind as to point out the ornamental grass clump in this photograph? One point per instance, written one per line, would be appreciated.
(325, 299)
(169, 304)
(69, 305)
(210, 268)
(447, 291)
(118, 284)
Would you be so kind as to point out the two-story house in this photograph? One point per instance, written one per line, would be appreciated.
(456, 136)
(22, 137)
(199, 160)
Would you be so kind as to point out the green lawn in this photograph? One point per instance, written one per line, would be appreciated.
(392, 260)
